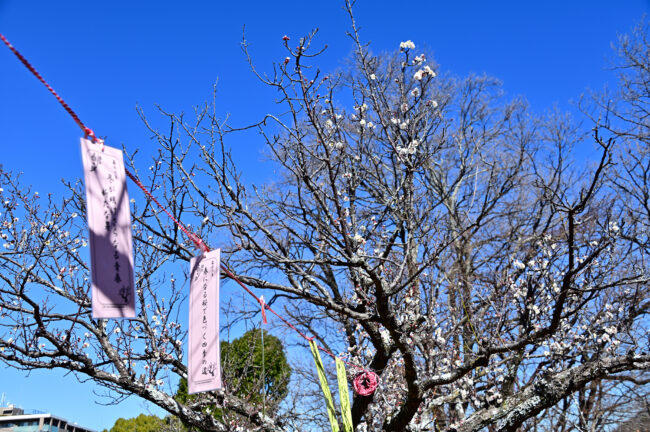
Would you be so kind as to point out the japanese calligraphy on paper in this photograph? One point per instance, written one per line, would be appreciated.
(109, 223)
(204, 363)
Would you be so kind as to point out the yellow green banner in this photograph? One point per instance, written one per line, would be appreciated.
(324, 386)
(344, 396)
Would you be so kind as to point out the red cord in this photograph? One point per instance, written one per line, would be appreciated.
(193, 237)
(266, 306)
(31, 68)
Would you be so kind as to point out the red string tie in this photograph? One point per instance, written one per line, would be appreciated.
(263, 305)
(89, 133)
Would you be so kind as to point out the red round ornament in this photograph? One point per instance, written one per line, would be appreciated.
(365, 383)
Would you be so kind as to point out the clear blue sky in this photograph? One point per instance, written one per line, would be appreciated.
(106, 57)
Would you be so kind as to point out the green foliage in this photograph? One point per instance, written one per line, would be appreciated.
(243, 374)
(141, 423)
(243, 367)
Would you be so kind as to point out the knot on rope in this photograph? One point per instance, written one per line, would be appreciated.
(263, 305)
(90, 134)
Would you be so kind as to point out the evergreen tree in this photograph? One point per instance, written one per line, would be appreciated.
(259, 379)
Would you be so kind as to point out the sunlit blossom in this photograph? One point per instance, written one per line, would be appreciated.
(518, 264)
(403, 46)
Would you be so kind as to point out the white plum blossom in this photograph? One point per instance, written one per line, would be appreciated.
(518, 264)
(403, 46)
(373, 77)
(408, 150)
(439, 339)
(425, 71)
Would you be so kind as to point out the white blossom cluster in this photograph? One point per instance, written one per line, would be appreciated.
(426, 71)
(408, 150)
(407, 45)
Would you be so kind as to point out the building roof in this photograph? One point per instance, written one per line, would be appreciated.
(16, 415)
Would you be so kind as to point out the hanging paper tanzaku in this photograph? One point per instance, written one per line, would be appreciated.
(204, 362)
(109, 225)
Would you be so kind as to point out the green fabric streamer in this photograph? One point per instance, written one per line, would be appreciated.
(344, 396)
(324, 386)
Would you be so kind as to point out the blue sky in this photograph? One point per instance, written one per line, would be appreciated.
(106, 57)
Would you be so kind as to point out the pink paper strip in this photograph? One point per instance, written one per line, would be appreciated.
(204, 361)
(109, 224)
